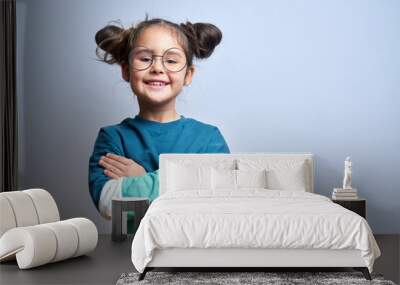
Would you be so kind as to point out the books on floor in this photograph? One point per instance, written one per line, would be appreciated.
(344, 194)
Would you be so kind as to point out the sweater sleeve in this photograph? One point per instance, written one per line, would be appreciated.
(141, 186)
(111, 189)
(132, 186)
(104, 144)
(217, 143)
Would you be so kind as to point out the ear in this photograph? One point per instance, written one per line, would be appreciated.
(189, 75)
(125, 72)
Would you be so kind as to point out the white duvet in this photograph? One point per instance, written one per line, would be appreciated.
(251, 218)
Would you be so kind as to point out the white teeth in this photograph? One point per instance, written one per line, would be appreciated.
(156, 83)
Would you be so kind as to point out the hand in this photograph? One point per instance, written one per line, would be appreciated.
(116, 166)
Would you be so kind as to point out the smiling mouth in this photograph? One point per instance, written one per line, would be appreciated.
(155, 83)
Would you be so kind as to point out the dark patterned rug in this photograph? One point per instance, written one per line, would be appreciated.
(230, 278)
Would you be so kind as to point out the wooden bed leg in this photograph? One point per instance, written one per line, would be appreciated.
(143, 274)
(364, 271)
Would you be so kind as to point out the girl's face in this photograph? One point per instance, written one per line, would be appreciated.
(144, 83)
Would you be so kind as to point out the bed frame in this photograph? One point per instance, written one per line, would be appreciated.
(243, 259)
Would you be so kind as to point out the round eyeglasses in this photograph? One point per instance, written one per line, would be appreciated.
(173, 59)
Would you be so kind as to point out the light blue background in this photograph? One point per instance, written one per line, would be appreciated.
(289, 76)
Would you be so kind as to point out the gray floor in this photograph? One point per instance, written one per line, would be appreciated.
(110, 260)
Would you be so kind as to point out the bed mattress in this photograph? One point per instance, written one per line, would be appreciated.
(250, 219)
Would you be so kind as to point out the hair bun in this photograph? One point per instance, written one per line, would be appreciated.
(112, 40)
(203, 38)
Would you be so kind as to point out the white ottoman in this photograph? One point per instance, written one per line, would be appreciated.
(31, 232)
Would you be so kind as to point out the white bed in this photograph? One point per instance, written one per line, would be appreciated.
(198, 223)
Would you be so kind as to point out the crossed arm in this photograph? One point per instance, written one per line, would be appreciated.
(128, 179)
(116, 166)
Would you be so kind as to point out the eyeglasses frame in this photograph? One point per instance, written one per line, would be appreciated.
(152, 60)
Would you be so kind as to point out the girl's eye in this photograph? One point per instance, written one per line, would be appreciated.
(145, 59)
(171, 61)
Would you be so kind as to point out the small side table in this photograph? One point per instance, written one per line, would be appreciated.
(119, 206)
(358, 206)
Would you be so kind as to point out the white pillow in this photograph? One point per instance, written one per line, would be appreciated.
(223, 179)
(189, 174)
(251, 178)
(181, 177)
(282, 174)
(236, 179)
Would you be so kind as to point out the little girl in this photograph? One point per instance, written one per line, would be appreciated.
(156, 59)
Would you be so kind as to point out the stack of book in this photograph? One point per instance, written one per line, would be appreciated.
(344, 194)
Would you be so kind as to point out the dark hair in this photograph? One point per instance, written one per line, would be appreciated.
(198, 40)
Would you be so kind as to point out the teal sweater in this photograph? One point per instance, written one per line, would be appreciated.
(142, 141)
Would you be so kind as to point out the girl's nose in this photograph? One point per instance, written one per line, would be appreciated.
(157, 65)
